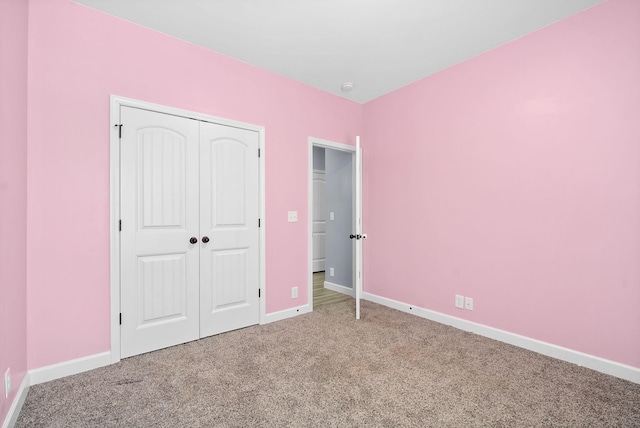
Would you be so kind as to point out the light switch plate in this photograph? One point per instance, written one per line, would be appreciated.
(293, 216)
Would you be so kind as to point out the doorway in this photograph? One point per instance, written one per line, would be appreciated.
(331, 222)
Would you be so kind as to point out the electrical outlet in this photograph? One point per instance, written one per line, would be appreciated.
(468, 303)
(292, 216)
(459, 301)
(332, 216)
(7, 383)
(330, 271)
(294, 292)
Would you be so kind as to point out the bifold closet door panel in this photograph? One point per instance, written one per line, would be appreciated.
(160, 214)
(229, 213)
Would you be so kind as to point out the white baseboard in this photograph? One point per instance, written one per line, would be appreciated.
(340, 288)
(602, 365)
(286, 313)
(68, 368)
(14, 411)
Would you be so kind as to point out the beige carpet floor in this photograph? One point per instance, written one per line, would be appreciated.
(325, 369)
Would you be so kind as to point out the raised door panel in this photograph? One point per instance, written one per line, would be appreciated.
(229, 274)
(161, 166)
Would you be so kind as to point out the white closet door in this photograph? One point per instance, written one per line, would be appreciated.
(318, 221)
(229, 274)
(159, 211)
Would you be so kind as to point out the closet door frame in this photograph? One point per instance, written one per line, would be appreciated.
(116, 103)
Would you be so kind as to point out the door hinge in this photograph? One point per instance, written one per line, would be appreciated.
(120, 318)
(258, 151)
(119, 126)
(258, 292)
(258, 222)
(120, 225)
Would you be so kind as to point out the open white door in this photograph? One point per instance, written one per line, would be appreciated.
(359, 235)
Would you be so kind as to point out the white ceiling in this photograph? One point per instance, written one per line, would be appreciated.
(379, 45)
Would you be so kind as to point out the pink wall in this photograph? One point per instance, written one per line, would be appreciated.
(77, 57)
(520, 170)
(13, 196)
(520, 178)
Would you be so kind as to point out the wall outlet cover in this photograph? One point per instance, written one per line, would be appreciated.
(292, 216)
(468, 303)
(331, 272)
(459, 301)
(294, 292)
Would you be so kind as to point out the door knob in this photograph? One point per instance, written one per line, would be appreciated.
(193, 240)
(352, 236)
(205, 239)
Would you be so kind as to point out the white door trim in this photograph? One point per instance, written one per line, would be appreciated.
(114, 198)
(327, 145)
